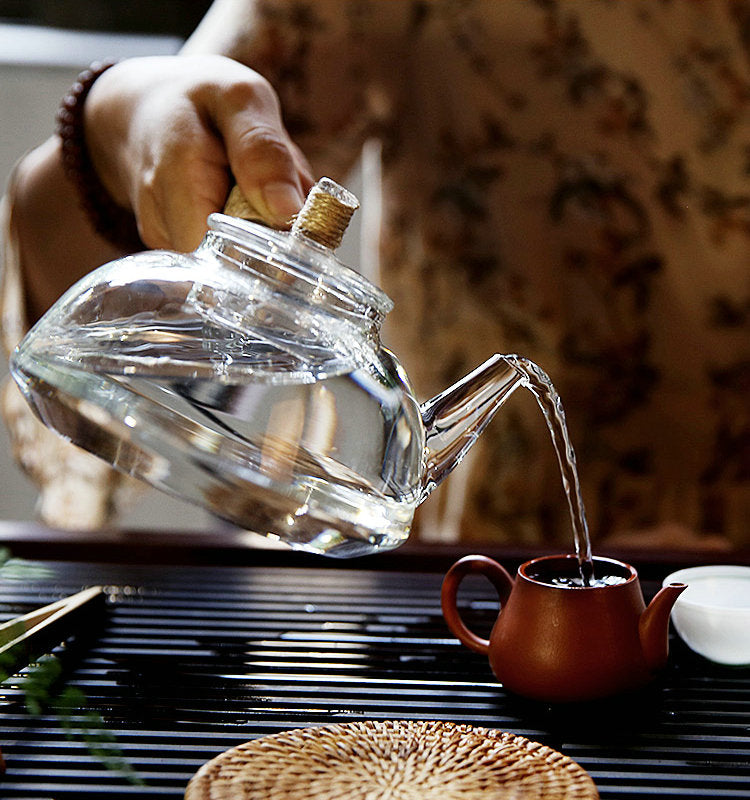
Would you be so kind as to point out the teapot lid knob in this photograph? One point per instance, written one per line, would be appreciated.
(326, 213)
(323, 218)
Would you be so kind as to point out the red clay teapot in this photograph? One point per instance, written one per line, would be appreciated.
(556, 639)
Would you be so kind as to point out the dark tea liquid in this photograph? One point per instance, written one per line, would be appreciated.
(566, 573)
(538, 383)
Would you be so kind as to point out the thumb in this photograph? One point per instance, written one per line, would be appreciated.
(268, 167)
(265, 165)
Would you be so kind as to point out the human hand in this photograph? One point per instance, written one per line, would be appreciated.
(164, 133)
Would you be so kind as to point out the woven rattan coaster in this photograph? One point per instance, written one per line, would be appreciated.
(393, 760)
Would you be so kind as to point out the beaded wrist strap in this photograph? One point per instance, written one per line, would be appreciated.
(110, 220)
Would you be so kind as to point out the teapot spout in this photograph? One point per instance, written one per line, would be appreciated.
(454, 419)
(653, 626)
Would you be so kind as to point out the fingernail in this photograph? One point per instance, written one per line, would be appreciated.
(282, 199)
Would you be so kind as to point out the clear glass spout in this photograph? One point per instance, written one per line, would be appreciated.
(455, 418)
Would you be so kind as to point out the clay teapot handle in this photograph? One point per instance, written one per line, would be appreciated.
(499, 578)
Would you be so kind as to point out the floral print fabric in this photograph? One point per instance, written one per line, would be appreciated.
(569, 181)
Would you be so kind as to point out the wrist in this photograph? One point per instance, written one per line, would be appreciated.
(110, 220)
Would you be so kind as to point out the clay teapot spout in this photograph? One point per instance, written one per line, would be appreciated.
(653, 627)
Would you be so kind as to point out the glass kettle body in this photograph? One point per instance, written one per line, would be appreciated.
(249, 377)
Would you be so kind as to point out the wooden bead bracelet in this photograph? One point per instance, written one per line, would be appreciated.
(114, 223)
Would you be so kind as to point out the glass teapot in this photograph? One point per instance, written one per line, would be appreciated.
(249, 377)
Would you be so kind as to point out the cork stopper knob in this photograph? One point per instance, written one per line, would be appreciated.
(326, 213)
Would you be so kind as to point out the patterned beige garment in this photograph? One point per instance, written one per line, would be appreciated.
(569, 181)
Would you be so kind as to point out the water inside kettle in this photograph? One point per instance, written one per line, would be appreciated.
(249, 377)
(310, 452)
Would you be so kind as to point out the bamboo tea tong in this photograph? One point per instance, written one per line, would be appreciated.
(28, 637)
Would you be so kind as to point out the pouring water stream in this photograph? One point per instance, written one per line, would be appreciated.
(539, 384)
